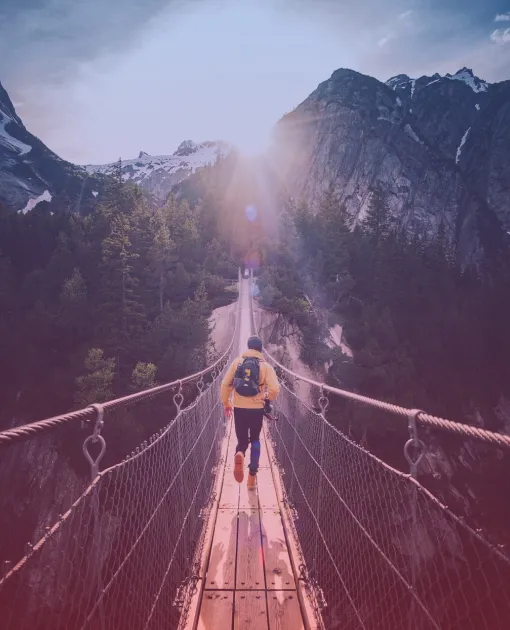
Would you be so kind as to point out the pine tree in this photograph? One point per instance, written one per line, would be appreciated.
(161, 254)
(194, 321)
(377, 222)
(334, 225)
(143, 376)
(122, 313)
(96, 384)
(73, 296)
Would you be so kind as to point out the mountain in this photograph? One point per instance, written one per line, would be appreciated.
(30, 173)
(159, 174)
(438, 146)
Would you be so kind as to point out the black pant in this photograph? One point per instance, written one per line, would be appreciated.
(248, 423)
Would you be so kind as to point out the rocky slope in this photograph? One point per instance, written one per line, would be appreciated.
(439, 147)
(159, 174)
(30, 173)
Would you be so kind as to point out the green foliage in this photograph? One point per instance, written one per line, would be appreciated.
(143, 376)
(377, 222)
(74, 291)
(425, 332)
(96, 384)
(136, 281)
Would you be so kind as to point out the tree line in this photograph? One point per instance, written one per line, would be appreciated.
(425, 330)
(108, 303)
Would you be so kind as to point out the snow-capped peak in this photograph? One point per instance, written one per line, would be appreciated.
(187, 148)
(398, 81)
(159, 173)
(466, 76)
(402, 81)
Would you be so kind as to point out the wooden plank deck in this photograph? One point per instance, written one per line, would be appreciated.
(249, 583)
(249, 573)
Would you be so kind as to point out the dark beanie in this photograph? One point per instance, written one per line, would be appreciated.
(255, 343)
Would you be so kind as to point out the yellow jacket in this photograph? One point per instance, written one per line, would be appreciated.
(269, 386)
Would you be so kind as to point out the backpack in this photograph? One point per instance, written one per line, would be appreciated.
(247, 377)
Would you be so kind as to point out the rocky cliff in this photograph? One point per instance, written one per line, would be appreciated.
(30, 173)
(438, 146)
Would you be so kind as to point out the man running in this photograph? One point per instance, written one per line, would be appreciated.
(255, 385)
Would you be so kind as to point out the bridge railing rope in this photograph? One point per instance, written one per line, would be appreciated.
(125, 553)
(378, 550)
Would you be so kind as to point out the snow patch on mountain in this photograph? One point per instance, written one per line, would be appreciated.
(462, 143)
(411, 133)
(46, 196)
(466, 76)
(8, 141)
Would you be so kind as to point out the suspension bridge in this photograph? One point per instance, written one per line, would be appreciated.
(164, 538)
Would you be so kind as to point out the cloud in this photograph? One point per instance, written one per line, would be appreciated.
(50, 39)
(502, 17)
(384, 40)
(405, 14)
(86, 69)
(501, 36)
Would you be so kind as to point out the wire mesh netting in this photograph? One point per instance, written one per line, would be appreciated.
(380, 550)
(125, 552)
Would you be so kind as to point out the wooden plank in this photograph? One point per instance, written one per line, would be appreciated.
(250, 566)
(278, 569)
(295, 552)
(191, 619)
(216, 610)
(230, 492)
(221, 569)
(267, 492)
(284, 611)
(250, 611)
(248, 499)
(264, 459)
(231, 448)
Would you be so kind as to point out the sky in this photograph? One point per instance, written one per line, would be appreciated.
(101, 79)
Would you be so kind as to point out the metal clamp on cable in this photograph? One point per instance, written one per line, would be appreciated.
(323, 403)
(414, 443)
(94, 439)
(178, 398)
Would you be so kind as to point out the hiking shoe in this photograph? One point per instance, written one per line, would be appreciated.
(252, 482)
(239, 467)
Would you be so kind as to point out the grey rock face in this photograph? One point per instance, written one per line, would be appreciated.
(409, 136)
(485, 158)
